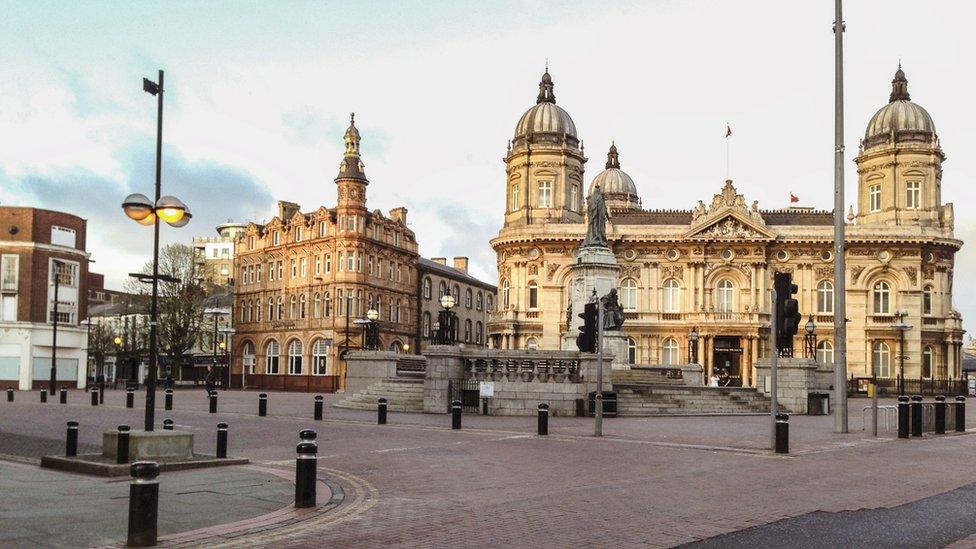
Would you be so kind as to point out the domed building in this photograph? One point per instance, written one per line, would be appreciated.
(695, 283)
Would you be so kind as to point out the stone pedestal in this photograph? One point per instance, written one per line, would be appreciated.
(615, 343)
(151, 445)
(593, 268)
(796, 378)
(692, 375)
(445, 363)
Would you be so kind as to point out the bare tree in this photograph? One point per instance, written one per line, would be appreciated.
(101, 344)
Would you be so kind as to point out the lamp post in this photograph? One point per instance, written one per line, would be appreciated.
(225, 345)
(693, 348)
(88, 365)
(372, 335)
(811, 338)
(437, 331)
(175, 213)
(56, 267)
(902, 328)
(447, 324)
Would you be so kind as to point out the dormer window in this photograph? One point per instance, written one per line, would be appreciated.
(276, 238)
(298, 234)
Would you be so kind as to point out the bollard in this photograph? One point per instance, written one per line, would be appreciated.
(455, 414)
(167, 424)
(940, 415)
(71, 442)
(305, 467)
(960, 414)
(64, 396)
(101, 393)
(263, 404)
(916, 415)
(130, 398)
(221, 440)
(307, 434)
(94, 396)
(213, 402)
(318, 407)
(43, 395)
(381, 412)
(903, 416)
(782, 433)
(168, 400)
(122, 448)
(484, 406)
(10, 394)
(143, 504)
(543, 419)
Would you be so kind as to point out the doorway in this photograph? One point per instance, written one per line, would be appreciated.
(727, 361)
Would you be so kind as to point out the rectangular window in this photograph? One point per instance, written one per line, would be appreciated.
(341, 263)
(874, 198)
(276, 238)
(515, 196)
(369, 267)
(545, 194)
(9, 272)
(574, 198)
(318, 265)
(351, 261)
(359, 262)
(913, 195)
(250, 243)
(304, 267)
(323, 230)
(298, 234)
(328, 263)
(396, 238)
(257, 271)
(281, 269)
(63, 236)
(271, 270)
(294, 268)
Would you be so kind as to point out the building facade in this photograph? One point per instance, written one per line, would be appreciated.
(474, 300)
(214, 255)
(709, 268)
(37, 249)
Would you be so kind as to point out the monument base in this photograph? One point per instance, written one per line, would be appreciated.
(151, 445)
(796, 379)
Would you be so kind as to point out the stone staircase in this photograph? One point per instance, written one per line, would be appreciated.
(655, 399)
(646, 376)
(402, 394)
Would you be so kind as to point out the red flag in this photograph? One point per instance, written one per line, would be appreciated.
(794, 199)
(728, 131)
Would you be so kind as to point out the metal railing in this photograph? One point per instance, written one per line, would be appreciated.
(918, 386)
(883, 414)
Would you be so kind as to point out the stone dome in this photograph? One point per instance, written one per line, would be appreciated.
(545, 117)
(617, 187)
(900, 120)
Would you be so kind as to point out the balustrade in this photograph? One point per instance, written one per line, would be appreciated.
(541, 369)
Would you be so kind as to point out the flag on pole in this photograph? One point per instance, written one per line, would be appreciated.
(728, 130)
(794, 199)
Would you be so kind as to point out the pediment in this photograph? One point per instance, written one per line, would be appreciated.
(733, 225)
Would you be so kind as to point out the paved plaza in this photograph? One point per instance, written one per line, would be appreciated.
(661, 481)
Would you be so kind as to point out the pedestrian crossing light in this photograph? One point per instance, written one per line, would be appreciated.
(586, 340)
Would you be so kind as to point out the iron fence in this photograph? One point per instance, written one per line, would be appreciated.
(468, 392)
(891, 387)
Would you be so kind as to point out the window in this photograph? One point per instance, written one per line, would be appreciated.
(425, 329)
(281, 269)
(281, 308)
(442, 290)
(369, 265)
(724, 302)
(533, 295)
(672, 296)
(532, 344)
(628, 295)
(328, 263)
(320, 358)
(479, 301)
(491, 302)
(298, 234)
(390, 271)
(301, 307)
(545, 194)
(271, 270)
(468, 300)
(479, 333)
(341, 262)
(359, 262)
(927, 356)
(396, 347)
(669, 353)
(293, 308)
(243, 307)
(515, 196)
(351, 261)
(927, 300)
(882, 298)
(328, 306)
(295, 357)
(248, 357)
(427, 288)
(505, 292)
(271, 308)
(467, 330)
(323, 229)
(874, 198)
(250, 243)
(340, 306)
(318, 265)
(631, 351)
(9, 279)
(399, 274)
(825, 352)
(881, 359)
(574, 198)
(275, 238)
(825, 297)
(317, 305)
(303, 264)
(396, 238)
(398, 312)
(913, 195)
(271, 358)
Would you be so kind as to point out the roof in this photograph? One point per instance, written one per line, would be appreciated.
(425, 265)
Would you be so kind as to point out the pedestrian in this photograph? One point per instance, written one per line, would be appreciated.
(210, 380)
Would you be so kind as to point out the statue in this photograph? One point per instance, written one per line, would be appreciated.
(698, 211)
(596, 218)
(613, 313)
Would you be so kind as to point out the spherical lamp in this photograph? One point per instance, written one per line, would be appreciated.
(137, 206)
(170, 209)
(447, 301)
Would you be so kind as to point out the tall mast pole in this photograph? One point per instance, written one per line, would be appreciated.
(840, 287)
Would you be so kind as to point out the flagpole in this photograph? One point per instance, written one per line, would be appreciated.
(728, 152)
(840, 289)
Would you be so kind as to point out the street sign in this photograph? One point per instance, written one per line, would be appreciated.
(486, 389)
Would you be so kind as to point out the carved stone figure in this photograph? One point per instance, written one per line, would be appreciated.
(613, 313)
(596, 217)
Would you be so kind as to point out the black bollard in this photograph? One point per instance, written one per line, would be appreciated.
(43, 395)
(916, 415)
(960, 414)
(221, 440)
(122, 447)
(381, 412)
(94, 396)
(143, 504)
(782, 433)
(168, 400)
(71, 442)
(64, 396)
(305, 467)
(213, 402)
(319, 402)
(101, 393)
(903, 419)
(10, 394)
(307, 434)
(130, 398)
(940, 415)
(167, 424)
(263, 404)
(543, 419)
(455, 414)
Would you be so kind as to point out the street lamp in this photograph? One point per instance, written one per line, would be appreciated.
(447, 323)
(175, 213)
(811, 338)
(225, 344)
(693, 349)
(56, 266)
(902, 328)
(372, 330)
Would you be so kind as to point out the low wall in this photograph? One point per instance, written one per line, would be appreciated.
(285, 382)
(796, 378)
(367, 368)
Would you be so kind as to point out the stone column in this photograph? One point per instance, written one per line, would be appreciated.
(444, 365)
(707, 359)
(745, 367)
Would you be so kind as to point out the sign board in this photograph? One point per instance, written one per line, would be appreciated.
(768, 384)
(486, 388)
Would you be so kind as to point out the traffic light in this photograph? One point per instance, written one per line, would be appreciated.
(586, 340)
(787, 313)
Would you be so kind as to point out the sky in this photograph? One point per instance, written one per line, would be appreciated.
(259, 95)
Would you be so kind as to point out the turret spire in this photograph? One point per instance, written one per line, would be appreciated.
(545, 88)
(351, 165)
(613, 160)
(899, 86)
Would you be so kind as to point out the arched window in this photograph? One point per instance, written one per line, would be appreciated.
(825, 297)
(467, 298)
(825, 352)
(427, 288)
(271, 308)
(467, 330)
(425, 330)
(631, 351)
(441, 290)
(295, 357)
(281, 307)
(881, 359)
(533, 297)
(532, 344)
(398, 311)
(257, 310)
(317, 306)
(927, 300)
(248, 356)
(293, 308)
(882, 298)
(669, 353)
(725, 297)
(396, 346)
(491, 302)
(479, 301)
(457, 294)
(515, 196)
(672, 296)
(271, 357)
(505, 292)
(243, 308)
(479, 333)
(927, 358)
(320, 357)
(628, 295)
(328, 306)
(301, 307)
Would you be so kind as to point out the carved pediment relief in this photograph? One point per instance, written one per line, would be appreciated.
(731, 226)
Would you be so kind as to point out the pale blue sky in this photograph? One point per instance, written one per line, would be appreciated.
(259, 95)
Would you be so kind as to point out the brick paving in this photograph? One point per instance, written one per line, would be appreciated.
(650, 481)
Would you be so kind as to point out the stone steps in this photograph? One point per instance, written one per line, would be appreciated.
(643, 399)
(403, 395)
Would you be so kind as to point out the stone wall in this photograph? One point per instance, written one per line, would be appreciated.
(367, 368)
(796, 378)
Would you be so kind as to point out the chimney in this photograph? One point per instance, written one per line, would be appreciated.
(286, 210)
(439, 260)
(461, 264)
(399, 214)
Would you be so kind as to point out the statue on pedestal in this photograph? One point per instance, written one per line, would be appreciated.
(596, 220)
(613, 313)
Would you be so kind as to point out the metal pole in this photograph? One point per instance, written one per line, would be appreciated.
(840, 288)
(214, 373)
(874, 400)
(901, 358)
(54, 333)
(598, 399)
(345, 353)
(773, 359)
(154, 305)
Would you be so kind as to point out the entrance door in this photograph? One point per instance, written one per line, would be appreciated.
(727, 358)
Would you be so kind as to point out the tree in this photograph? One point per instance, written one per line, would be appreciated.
(100, 344)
